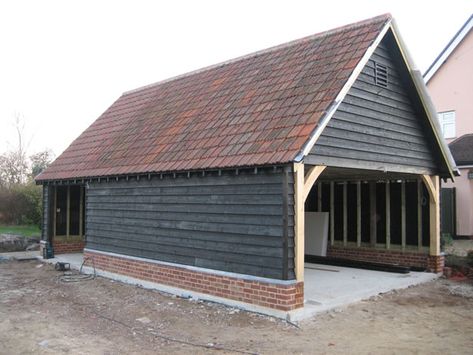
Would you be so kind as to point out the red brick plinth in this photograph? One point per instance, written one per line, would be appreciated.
(68, 246)
(280, 296)
(406, 258)
(436, 263)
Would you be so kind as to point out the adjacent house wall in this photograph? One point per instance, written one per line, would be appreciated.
(451, 88)
(233, 222)
(464, 202)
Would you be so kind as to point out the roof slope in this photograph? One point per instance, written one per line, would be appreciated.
(254, 110)
(449, 48)
(462, 150)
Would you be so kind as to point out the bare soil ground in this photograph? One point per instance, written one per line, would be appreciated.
(41, 315)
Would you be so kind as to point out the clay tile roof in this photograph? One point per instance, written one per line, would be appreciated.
(259, 109)
(462, 150)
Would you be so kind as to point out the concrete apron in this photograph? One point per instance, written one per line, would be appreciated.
(329, 287)
(20, 255)
(325, 287)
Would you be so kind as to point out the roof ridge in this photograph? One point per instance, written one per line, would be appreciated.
(448, 49)
(466, 135)
(385, 16)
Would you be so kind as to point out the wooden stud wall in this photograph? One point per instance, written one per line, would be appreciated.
(68, 217)
(373, 220)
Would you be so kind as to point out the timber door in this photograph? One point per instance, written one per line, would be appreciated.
(74, 210)
(448, 218)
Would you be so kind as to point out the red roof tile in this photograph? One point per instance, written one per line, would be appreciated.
(256, 110)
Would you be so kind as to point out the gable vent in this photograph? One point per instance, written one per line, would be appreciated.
(381, 75)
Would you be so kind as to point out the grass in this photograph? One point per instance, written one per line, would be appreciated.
(26, 230)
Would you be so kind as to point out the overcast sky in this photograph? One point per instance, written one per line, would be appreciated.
(62, 63)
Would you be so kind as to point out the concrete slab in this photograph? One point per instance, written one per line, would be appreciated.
(329, 287)
(75, 259)
(325, 287)
(20, 255)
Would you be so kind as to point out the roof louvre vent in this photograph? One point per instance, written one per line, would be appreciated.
(381, 75)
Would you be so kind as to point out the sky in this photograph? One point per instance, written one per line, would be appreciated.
(63, 63)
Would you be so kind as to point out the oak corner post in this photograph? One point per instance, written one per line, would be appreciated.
(299, 220)
(302, 185)
(433, 186)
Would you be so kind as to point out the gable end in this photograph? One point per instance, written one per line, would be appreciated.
(380, 124)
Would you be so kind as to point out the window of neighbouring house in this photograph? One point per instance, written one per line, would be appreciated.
(447, 123)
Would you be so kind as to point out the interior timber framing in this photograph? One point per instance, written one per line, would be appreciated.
(56, 209)
(373, 209)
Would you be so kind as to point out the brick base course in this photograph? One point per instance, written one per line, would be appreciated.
(436, 263)
(407, 258)
(64, 246)
(284, 297)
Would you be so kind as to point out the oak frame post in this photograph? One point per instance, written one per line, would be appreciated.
(433, 186)
(302, 185)
(299, 221)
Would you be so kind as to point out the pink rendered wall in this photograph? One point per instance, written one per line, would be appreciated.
(451, 88)
(464, 197)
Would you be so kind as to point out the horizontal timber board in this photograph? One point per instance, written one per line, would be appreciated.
(374, 135)
(271, 188)
(191, 217)
(388, 97)
(371, 147)
(239, 209)
(369, 79)
(395, 96)
(193, 181)
(104, 223)
(200, 226)
(205, 263)
(355, 154)
(273, 199)
(367, 165)
(238, 239)
(371, 118)
(269, 262)
(160, 243)
(342, 121)
(377, 106)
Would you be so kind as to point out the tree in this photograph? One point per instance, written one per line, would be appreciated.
(13, 168)
(40, 161)
(20, 197)
(14, 163)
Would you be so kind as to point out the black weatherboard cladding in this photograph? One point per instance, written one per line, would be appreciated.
(378, 127)
(46, 213)
(231, 222)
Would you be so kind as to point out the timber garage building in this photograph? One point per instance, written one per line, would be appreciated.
(221, 181)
